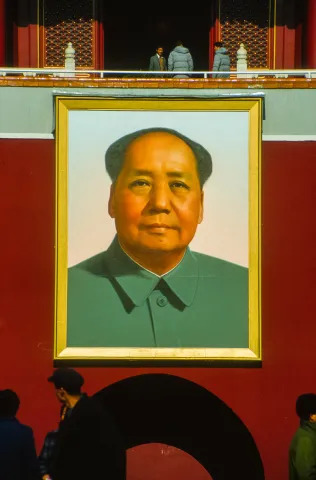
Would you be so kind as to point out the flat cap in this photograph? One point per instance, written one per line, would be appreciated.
(66, 378)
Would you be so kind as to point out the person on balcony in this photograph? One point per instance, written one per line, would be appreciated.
(180, 60)
(157, 62)
(221, 61)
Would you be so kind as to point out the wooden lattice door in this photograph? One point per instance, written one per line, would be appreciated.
(249, 22)
(74, 21)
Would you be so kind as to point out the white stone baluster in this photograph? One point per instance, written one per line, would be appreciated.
(242, 64)
(70, 63)
(241, 61)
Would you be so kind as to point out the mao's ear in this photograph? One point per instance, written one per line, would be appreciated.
(201, 214)
(111, 203)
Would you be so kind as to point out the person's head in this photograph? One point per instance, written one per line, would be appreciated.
(179, 43)
(218, 45)
(306, 407)
(156, 196)
(159, 50)
(67, 383)
(9, 403)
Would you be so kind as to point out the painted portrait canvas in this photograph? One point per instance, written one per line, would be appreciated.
(158, 229)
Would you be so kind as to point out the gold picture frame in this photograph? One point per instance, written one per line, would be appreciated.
(251, 111)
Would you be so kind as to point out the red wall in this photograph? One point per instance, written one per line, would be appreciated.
(263, 398)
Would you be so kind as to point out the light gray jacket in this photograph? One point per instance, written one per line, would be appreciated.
(221, 62)
(180, 59)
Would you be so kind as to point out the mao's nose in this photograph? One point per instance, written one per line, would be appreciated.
(160, 197)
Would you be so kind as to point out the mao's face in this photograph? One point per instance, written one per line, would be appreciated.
(157, 201)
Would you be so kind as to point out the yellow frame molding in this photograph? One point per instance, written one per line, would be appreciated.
(254, 108)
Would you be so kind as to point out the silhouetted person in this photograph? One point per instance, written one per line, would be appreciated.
(302, 452)
(45, 457)
(221, 60)
(180, 60)
(88, 444)
(18, 460)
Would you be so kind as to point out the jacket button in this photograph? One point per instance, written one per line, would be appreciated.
(162, 301)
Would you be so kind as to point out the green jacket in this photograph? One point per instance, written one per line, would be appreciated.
(113, 302)
(302, 453)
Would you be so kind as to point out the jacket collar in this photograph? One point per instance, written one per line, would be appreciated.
(8, 419)
(139, 283)
(306, 425)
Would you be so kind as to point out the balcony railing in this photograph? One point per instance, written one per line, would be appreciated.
(233, 74)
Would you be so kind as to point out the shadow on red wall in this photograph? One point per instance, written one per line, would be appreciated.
(160, 408)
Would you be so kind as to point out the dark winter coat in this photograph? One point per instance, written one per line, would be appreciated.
(18, 460)
(88, 445)
(302, 453)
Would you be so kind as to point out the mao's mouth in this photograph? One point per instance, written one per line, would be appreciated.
(158, 227)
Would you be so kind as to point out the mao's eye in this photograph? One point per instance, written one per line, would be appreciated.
(140, 183)
(179, 185)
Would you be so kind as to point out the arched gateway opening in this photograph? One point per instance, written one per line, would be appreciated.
(132, 33)
(170, 410)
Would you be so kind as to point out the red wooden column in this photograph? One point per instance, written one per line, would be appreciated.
(26, 41)
(311, 34)
(99, 34)
(2, 33)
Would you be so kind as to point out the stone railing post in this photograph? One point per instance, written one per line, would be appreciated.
(241, 61)
(242, 64)
(70, 63)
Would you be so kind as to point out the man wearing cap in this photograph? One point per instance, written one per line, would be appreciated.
(88, 443)
(149, 289)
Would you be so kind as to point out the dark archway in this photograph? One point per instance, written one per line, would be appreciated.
(159, 408)
(132, 33)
